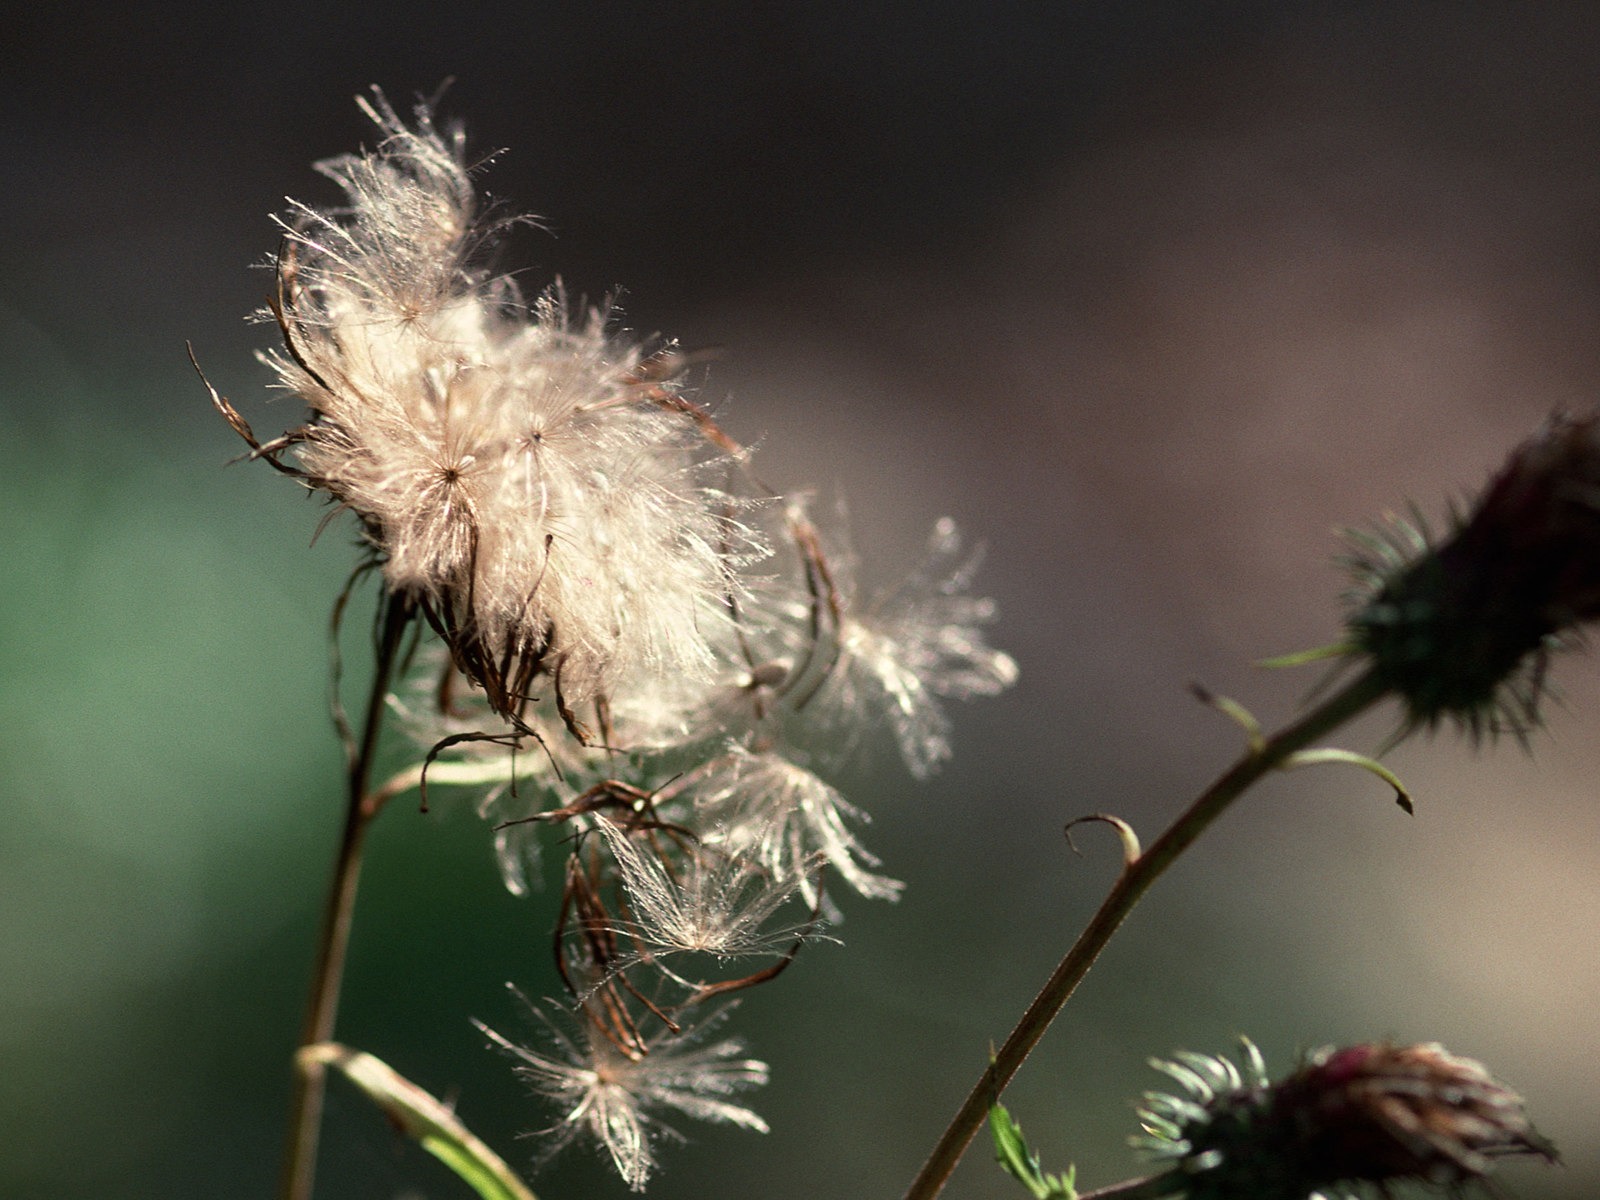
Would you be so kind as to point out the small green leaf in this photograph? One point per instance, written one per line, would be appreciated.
(1014, 1157)
(1235, 712)
(1009, 1149)
(420, 1116)
(1299, 658)
(1311, 758)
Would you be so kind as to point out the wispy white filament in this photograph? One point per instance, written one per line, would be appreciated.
(712, 902)
(614, 1099)
(785, 817)
(915, 643)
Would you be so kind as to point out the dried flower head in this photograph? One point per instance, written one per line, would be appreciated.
(611, 1093)
(1462, 629)
(524, 477)
(1374, 1114)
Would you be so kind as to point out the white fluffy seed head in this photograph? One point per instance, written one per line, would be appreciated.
(617, 1101)
(516, 469)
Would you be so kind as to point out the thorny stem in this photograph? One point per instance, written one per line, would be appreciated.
(1136, 878)
(322, 1006)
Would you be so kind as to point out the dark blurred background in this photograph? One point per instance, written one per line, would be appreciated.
(1152, 297)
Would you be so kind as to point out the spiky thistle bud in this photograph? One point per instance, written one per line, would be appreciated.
(1461, 629)
(1371, 1114)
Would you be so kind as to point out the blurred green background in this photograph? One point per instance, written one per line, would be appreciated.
(1150, 296)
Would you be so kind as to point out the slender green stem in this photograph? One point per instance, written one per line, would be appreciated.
(1148, 1188)
(1135, 880)
(322, 1006)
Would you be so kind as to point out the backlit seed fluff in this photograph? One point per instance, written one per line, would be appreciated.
(519, 471)
(614, 1098)
(916, 643)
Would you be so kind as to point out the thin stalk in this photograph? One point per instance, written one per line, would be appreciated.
(322, 1006)
(1137, 877)
(1148, 1188)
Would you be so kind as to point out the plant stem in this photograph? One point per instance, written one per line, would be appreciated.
(1147, 1188)
(322, 1006)
(1135, 880)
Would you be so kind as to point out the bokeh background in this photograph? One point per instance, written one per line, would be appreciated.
(1151, 297)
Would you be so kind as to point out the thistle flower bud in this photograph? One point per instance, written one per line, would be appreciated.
(1366, 1114)
(1462, 629)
